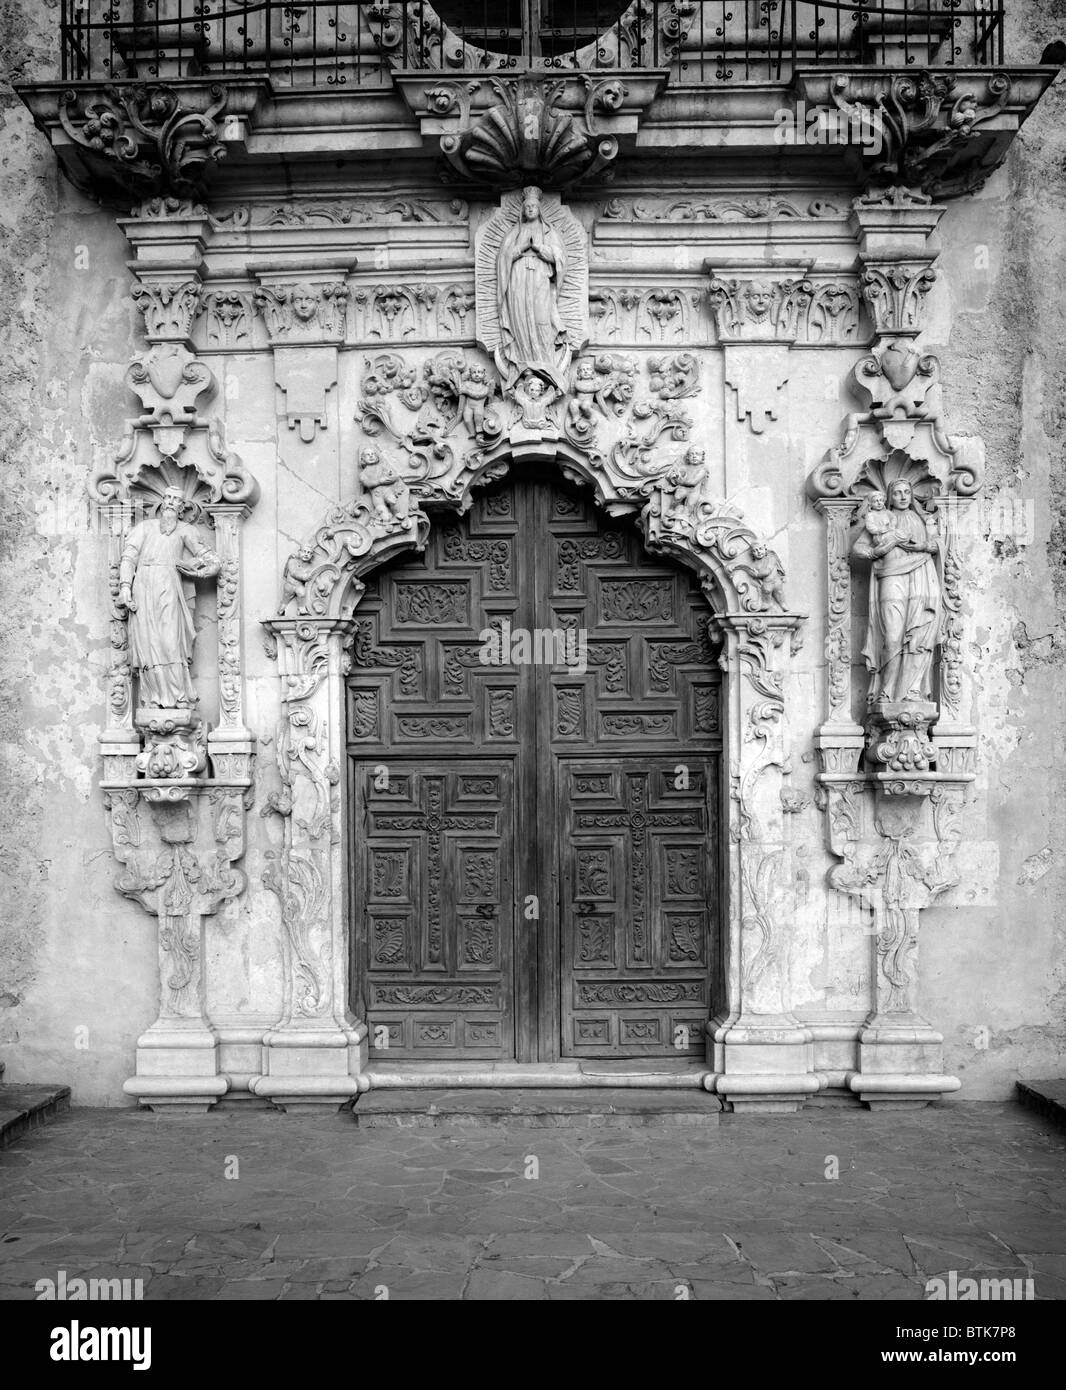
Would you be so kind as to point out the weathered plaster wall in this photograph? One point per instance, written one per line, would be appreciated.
(77, 962)
(78, 976)
(995, 971)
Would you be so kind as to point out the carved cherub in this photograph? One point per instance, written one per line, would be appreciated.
(477, 391)
(534, 396)
(685, 479)
(304, 303)
(297, 572)
(585, 395)
(390, 499)
(765, 568)
(876, 518)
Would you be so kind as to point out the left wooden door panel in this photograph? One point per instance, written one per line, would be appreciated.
(434, 882)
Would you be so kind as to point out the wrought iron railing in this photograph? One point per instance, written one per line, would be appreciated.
(313, 42)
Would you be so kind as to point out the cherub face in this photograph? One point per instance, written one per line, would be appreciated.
(535, 388)
(759, 299)
(477, 374)
(695, 458)
(876, 502)
(585, 371)
(758, 550)
(369, 456)
(306, 554)
(304, 305)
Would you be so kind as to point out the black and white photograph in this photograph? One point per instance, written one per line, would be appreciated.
(533, 669)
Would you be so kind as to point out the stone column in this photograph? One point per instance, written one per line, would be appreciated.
(763, 1055)
(315, 1054)
(231, 744)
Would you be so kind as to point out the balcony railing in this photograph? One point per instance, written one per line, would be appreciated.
(337, 45)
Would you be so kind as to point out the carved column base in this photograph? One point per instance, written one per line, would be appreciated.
(177, 1068)
(763, 1064)
(305, 1070)
(900, 1066)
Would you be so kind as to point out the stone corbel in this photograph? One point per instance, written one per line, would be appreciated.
(897, 846)
(178, 844)
(304, 306)
(314, 1056)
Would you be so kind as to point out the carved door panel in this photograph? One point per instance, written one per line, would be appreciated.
(534, 857)
(633, 745)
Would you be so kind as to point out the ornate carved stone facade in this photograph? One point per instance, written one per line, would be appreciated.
(386, 339)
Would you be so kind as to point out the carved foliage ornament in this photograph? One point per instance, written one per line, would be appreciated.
(142, 139)
(915, 150)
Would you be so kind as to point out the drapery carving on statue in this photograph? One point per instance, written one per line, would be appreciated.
(532, 287)
(905, 601)
(161, 556)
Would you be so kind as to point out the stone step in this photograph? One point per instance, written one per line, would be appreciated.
(25, 1107)
(1047, 1098)
(555, 1108)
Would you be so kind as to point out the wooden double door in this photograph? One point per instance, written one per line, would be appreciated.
(534, 736)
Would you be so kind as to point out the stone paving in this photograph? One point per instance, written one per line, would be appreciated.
(319, 1209)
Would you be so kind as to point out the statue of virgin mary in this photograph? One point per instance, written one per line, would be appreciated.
(530, 268)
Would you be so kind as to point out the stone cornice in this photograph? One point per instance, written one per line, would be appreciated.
(275, 140)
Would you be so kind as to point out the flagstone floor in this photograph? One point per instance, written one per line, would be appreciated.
(259, 1205)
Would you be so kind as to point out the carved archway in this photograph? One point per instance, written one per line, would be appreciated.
(319, 1046)
(741, 576)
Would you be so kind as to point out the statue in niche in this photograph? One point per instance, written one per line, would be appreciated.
(530, 267)
(161, 558)
(905, 597)
(390, 498)
(532, 287)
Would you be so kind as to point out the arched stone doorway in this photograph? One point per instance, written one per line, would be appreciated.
(534, 827)
(754, 1050)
